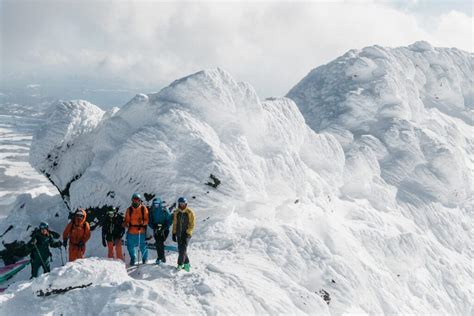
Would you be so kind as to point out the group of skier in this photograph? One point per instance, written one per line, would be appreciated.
(135, 222)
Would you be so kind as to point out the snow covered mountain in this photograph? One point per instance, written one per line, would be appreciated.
(170, 142)
(404, 116)
(360, 189)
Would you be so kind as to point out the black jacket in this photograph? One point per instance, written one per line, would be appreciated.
(112, 228)
(39, 245)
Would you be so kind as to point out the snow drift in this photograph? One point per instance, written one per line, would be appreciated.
(363, 192)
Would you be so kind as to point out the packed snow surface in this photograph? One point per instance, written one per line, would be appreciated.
(361, 187)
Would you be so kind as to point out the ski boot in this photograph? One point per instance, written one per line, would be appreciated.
(187, 267)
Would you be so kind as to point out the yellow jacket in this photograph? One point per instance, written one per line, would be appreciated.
(183, 222)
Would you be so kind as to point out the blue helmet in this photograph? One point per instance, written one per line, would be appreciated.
(182, 200)
(137, 196)
(156, 201)
(43, 225)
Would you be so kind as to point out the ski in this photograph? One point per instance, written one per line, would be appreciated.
(49, 292)
(10, 270)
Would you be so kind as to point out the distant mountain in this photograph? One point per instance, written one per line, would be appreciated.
(18, 123)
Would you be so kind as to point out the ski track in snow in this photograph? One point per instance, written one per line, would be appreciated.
(375, 207)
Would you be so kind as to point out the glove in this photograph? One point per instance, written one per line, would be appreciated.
(158, 230)
(80, 244)
(65, 243)
(174, 237)
(33, 242)
(104, 243)
(58, 244)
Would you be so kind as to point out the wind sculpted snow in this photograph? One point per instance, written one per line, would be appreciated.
(170, 142)
(352, 190)
(404, 118)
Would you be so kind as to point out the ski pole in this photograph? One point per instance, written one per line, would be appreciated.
(6, 231)
(41, 258)
(139, 249)
(61, 252)
(124, 245)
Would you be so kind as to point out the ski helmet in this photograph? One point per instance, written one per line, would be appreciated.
(137, 196)
(156, 201)
(43, 225)
(111, 212)
(182, 200)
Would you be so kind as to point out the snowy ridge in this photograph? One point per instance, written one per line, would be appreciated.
(66, 123)
(402, 116)
(171, 141)
(374, 208)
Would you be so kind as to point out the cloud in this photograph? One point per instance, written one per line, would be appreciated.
(149, 44)
(455, 29)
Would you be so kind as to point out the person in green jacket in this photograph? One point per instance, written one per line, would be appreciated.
(41, 239)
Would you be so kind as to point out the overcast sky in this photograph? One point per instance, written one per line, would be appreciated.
(146, 45)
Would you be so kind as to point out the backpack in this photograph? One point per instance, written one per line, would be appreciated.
(130, 209)
(72, 224)
(115, 228)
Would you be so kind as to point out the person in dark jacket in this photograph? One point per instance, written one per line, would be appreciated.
(183, 226)
(41, 239)
(160, 222)
(112, 232)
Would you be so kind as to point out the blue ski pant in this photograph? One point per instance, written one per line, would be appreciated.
(136, 240)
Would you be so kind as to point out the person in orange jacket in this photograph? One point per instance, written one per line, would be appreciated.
(78, 233)
(136, 219)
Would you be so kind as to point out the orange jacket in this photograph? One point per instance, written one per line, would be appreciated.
(135, 222)
(77, 231)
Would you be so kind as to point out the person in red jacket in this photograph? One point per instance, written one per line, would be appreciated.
(78, 233)
(136, 219)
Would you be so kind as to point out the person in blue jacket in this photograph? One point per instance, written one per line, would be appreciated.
(160, 221)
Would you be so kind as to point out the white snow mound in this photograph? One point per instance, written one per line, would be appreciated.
(170, 142)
